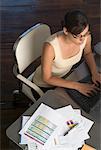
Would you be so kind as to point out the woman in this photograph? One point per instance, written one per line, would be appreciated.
(64, 49)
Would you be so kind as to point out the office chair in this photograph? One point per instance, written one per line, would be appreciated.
(27, 49)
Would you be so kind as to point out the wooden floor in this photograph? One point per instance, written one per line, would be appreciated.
(16, 17)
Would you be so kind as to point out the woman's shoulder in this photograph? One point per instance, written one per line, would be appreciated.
(52, 37)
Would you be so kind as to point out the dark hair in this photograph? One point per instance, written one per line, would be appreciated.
(75, 21)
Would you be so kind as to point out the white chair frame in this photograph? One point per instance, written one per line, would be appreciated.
(27, 49)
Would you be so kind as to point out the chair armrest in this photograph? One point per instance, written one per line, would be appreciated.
(26, 81)
(30, 84)
(15, 69)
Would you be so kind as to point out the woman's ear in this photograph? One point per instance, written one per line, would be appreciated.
(65, 31)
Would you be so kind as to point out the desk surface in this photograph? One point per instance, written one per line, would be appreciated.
(55, 99)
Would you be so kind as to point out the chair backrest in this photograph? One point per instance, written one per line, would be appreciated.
(28, 46)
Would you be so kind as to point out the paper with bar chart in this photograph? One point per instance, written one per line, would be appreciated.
(42, 125)
(40, 129)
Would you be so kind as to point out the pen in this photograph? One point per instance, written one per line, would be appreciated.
(70, 129)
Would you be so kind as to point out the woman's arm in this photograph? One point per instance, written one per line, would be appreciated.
(88, 55)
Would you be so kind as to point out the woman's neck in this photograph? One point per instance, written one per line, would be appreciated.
(67, 40)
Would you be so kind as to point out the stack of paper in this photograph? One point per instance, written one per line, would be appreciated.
(61, 129)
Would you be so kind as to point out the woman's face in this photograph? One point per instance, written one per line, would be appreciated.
(79, 39)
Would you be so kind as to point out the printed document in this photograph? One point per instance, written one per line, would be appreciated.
(42, 125)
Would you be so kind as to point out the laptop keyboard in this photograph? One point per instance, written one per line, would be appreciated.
(85, 102)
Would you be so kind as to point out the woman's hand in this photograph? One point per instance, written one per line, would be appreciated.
(87, 89)
(96, 78)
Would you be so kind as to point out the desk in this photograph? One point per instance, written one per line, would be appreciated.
(55, 99)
